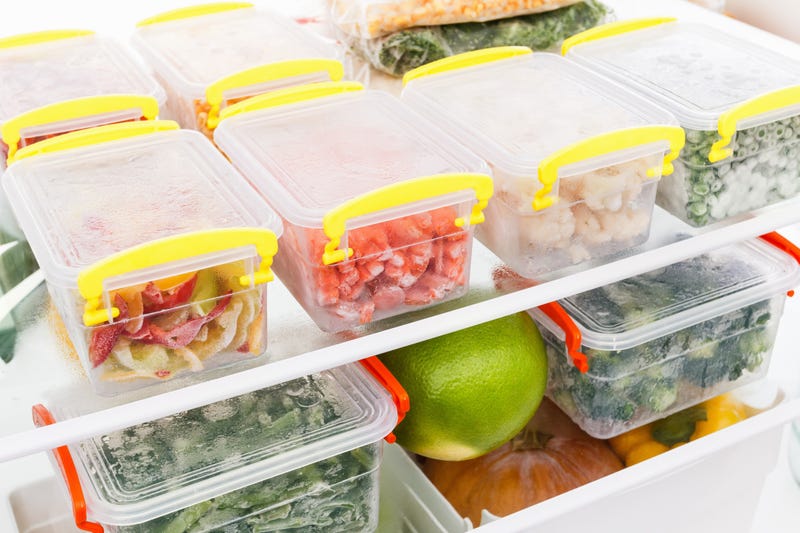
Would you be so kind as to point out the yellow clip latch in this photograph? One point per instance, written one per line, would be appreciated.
(611, 29)
(467, 59)
(402, 193)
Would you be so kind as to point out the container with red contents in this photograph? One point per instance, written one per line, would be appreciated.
(378, 205)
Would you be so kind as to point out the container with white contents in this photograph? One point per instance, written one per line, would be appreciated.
(738, 102)
(155, 250)
(575, 159)
(378, 205)
(209, 56)
(49, 76)
(300, 456)
(373, 18)
(626, 354)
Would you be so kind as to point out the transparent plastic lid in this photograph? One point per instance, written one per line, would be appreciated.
(310, 157)
(192, 53)
(696, 71)
(50, 71)
(515, 112)
(81, 205)
(645, 307)
(146, 471)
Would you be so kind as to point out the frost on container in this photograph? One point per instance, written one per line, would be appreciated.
(299, 456)
(147, 298)
(209, 57)
(668, 339)
(47, 68)
(404, 50)
(575, 160)
(374, 18)
(378, 207)
(738, 103)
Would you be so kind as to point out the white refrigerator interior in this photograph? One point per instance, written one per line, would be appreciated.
(712, 485)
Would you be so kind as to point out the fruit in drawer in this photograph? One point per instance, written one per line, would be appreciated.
(550, 456)
(471, 390)
(677, 429)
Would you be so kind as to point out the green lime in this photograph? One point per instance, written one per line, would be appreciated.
(472, 390)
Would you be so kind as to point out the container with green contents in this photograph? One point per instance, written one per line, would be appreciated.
(626, 354)
(299, 456)
(739, 104)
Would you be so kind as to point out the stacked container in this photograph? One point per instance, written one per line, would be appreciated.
(209, 56)
(738, 102)
(378, 205)
(626, 354)
(575, 159)
(48, 78)
(150, 244)
(299, 456)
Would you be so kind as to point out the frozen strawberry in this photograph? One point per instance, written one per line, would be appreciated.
(180, 335)
(155, 299)
(104, 338)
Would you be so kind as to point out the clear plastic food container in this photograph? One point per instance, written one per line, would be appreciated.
(739, 104)
(150, 243)
(42, 71)
(378, 206)
(373, 18)
(575, 159)
(209, 56)
(404, 50)
(626, 354)
(299, 456)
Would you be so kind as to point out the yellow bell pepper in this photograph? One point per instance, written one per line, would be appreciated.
(677, 429)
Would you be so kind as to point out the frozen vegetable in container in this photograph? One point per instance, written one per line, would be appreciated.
(209, 56)
(404, 50)
(155, 250)
(738, 102)
(41, 70)
(378, 205)
(299, 456)
(373, 18)
(626, 354)
(575, 159)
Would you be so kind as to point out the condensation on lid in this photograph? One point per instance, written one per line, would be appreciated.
(145, 471)
(82, 205)
(515, 112)
(313, 156)
(696, 71)
(645, 307)
(41, 74)
(198, 51)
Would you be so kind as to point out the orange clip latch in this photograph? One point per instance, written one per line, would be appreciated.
(784, 245)
(43, 417)
(572, 334)
(399, 394)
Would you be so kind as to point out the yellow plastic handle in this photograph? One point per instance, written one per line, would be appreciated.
(467, 59)
(402, 193)
(96, 135)
(729, 120)
(169, 249)
(41, 37)
(605, 144)
(266, 73)
(193, 11)
(611, 29)
(290, 95)
(73, 109)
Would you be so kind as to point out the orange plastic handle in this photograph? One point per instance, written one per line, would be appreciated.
(784, 245)
(374, 366)
(43, 417)
(572, 334)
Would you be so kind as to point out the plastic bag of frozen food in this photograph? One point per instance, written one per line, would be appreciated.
(405, 50)
(374, 18)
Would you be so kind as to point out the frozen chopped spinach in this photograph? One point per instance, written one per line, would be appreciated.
(656, 377)
(764, 169)
(334, 494)
(405, 50)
